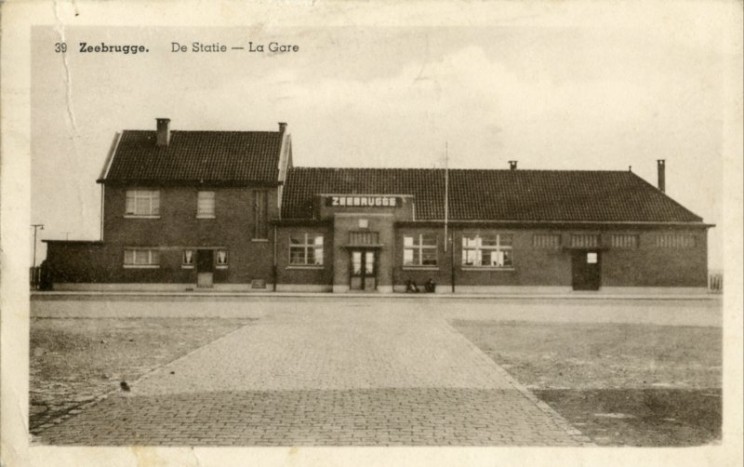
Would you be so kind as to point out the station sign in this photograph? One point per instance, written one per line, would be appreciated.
(364, 201)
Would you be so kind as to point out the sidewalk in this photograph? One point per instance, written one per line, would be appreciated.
(320, 307)
(58, 295)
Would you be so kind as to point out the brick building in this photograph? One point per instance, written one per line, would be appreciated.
(228, 211)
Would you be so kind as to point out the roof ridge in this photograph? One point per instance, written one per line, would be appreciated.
(466, 169)
(206, 131)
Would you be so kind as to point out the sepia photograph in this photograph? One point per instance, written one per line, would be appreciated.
(380, 234)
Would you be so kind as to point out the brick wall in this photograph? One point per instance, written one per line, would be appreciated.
(649, 265)
(297, 274)
(531, 266)
(646, 265)
(176, 229)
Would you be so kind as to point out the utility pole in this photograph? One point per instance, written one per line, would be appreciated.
(36, 228)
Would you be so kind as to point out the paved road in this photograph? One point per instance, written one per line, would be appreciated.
(705, 311)
(346, 374)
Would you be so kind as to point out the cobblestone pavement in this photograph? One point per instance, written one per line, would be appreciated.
(358, 417)
(332, 378)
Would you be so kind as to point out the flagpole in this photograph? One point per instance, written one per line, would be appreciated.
(447, 240)
(446, 192)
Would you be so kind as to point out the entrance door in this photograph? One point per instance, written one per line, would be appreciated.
(204, 268)
(363, 270)
(586, 270)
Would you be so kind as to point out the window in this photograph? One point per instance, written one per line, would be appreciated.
(141, 258)
(306, 250)
(205, 205)
(187, 260)
(364, 237)
(675, 240)
(490, 250)
(585, 241)
(420, 250)
(261, 214)
(547, 241)
(624, 241)
(220, 259)
(143, 203)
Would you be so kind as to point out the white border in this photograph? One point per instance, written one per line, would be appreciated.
(18, 17)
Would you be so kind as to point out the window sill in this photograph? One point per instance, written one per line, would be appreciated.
(421, 268)
(308, 266)
(486, 268)
(260, 240)
(221, 267)
(206, 217)
(187, 266)
(135, 216)
(143, 266)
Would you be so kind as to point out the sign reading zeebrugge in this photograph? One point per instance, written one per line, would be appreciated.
(368, 201)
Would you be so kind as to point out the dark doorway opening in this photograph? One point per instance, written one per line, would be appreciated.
(586, 268)
(204, 268)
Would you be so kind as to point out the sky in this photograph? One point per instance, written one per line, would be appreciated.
(549, 96)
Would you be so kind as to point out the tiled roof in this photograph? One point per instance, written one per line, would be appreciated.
(220, 157)
(495, 195)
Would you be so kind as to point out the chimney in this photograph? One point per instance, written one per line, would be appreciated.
(282, 127)
(661, 163)
(163, 131)
(513, 165)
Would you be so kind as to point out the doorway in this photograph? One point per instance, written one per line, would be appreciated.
(363, 270)
(586, 269)
(204, 268)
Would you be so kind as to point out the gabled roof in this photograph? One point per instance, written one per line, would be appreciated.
(196, 157)
(495, 195)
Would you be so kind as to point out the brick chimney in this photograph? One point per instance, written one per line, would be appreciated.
(661, 165)
(282, 127)
(163, 131)
(512, 165)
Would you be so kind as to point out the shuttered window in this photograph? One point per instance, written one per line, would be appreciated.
(364, 237)
(546, 241)
(205, 205)
(675, 240)
(624, 241)
(584, 241)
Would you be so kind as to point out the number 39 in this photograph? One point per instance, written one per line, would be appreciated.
(60, 47)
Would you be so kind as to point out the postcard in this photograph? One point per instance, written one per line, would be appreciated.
(324, 233)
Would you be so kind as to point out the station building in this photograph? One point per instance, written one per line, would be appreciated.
(229, 211)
